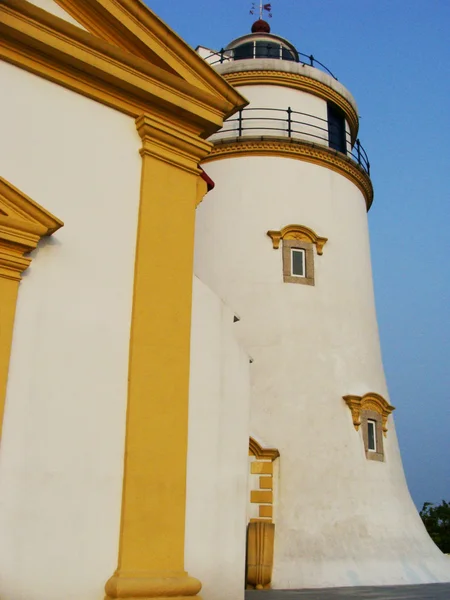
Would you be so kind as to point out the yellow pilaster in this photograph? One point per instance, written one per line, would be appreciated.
(151, 546)
(8, 297)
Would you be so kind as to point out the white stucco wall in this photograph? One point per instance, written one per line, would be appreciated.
(61, 457)
(340, 519)
(54, 8)
(217, 450)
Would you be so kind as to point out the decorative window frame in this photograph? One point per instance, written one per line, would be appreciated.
(302, 238)
(288, 276)
(370, 407)
(261, 531)
(262, 466)
(378, 453)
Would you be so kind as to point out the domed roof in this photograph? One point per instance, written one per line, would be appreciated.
(260, 43)
(260, 26)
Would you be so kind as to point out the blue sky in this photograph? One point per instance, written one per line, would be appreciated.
(394, 56)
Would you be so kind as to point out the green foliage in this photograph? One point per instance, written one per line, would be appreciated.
(436, 519)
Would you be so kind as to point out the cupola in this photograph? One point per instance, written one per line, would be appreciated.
(260, 43)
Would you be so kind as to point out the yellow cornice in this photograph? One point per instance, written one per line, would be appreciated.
(99, 21)
(22, 224)
(319, 155)
(256, 450)
(298, 82)
(14, 202)
(171, 144)
(297, 232)
(132, 26)
(56, 50)
(370, 401)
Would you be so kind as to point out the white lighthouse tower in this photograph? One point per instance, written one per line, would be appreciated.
(283, 240)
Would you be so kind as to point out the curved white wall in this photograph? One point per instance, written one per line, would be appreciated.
(340, 519)
(61, 457)
(217, 465)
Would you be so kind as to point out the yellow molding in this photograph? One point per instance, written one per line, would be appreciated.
(266, 483)
(15, 203)
(263, 466)
(134, 585)
(8, 298)
(171, 144)
(297, 232)
(261, 497)
(202, 190)
(22, 224)
(151, 544)
(255, 449)
(266, 511)
(132, 26)
(258, 467)
(297, 149)
(63, 53)
(298, 82)
(370, 401)
(99, 21)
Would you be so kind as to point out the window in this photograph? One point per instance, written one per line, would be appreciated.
(371, 424)
(298, 242)
(287, 54)
(371, 436)
(263, 49)
(298, 262)
(267, 50)
(370, 412)
(243, 51)
(336, 128)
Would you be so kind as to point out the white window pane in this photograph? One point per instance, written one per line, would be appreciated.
(372, 439)
(298, 262)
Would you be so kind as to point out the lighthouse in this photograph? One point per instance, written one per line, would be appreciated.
(283, 240)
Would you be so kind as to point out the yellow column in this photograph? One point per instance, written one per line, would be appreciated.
(151, 547)
(9, 287)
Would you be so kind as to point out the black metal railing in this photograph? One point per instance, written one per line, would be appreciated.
(294, 125)
(275, 51)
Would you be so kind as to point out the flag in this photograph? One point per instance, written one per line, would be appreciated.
(268, 7)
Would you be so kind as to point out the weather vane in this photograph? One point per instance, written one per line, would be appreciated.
(262, 7)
